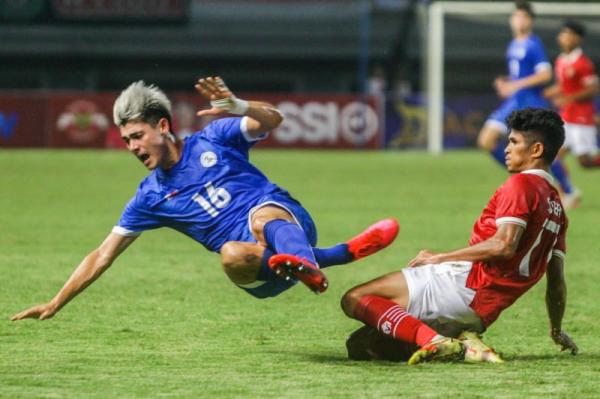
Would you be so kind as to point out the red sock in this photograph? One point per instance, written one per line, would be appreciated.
(389, 318)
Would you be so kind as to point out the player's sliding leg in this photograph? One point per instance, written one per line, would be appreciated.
(277, 229)
(294, 257)
(247, 264)
(373, 239)
(382, 303)
(291, 266)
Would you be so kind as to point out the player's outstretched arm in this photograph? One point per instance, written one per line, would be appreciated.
(86, 273)
(552, 91)
(501, 245)
(264, 117)
(556, 301)
(509, 87)
(588, 92)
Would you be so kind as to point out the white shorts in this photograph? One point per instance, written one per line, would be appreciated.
(581, 139)
(438, 296)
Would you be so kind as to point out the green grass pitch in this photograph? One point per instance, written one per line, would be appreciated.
(165, 321)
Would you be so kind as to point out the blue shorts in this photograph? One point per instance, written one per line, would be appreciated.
(293, 207)
(274, 287)
(500, 115)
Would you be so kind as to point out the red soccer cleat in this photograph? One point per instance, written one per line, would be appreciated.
(375, 238)
(291, 266)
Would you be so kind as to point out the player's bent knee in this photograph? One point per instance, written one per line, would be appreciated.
(257, 226)
(263, 216)
(240, 261)
(349, 301)
(230, 255)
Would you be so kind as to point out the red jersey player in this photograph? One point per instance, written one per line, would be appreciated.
(576, 85)
(519, 236)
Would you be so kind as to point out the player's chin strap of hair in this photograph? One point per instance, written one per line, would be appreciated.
(231, 104)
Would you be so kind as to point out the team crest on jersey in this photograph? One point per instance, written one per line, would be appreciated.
(208, 159)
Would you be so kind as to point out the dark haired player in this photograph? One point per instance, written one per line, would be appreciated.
(528, 70)
(576, 85)
(519, 236)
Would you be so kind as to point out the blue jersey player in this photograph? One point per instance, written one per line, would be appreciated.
(206, 188)
(529, 69)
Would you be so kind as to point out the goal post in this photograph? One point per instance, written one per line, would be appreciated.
(434, 58)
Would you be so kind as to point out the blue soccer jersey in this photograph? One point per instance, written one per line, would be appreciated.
(525, 58)
(209, 194)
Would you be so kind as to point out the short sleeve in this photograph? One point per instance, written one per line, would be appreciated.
(539, 59)
(135, 219)
(514, 202)
(587, 71)
(231, 132)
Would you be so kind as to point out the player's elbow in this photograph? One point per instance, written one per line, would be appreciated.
(546, 75)
(276, 119)
(504, 250)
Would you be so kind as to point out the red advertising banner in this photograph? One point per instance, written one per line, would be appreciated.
(77, 120)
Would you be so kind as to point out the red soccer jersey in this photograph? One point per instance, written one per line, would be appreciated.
(573, 72)
(528, 199)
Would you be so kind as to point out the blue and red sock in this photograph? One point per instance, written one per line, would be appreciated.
(332, 256)
(285, 237)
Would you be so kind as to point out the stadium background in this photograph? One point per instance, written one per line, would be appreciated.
(63, 62)
(164, 321)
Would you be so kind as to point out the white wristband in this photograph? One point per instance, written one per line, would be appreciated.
(232, 104)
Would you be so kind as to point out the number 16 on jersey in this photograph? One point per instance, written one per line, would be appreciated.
(218, 198)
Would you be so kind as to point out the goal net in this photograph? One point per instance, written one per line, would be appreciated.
(465, 50)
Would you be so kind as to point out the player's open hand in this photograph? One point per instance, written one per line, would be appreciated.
(562, 338)
(41, 312)
(424, 257)
(214, 90)
(561, 101)
(505, 88)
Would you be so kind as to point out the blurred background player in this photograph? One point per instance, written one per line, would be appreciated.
(529, 69)
(206, 188)
(520, 235)
(576, 85)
